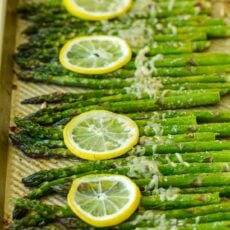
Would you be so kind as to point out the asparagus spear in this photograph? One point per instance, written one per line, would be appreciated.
(57, 212)
(58, 97)
(181, 147)
(27, 221)
(116, 83)
(223, 190)
(201, 115)
(23, 139)
(151, 202)
(73, 223)
(194, 59)
(221, 225)
(189, 180)
(161, 148)
(28, 126)
(60, 40)
(221, 129)
(53, 174)
(61, 185)
(176, 102)
(32, 128)
(165, 169)
(220, 216)
(196, 221)
(188, 20)
(197, 59)
(47, 54)
(64, 183)
(161, 11)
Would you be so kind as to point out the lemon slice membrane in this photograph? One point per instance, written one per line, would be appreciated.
(95, 54)
(100, 134)
(97, 9)
(103, 199)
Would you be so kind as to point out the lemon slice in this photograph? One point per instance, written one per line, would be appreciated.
(104, 200)
(95, 54)
(97, 9)
(100, 134)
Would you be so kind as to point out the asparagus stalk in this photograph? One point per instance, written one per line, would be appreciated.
(201, 115)
(57, 212)
(24, 139)
(47, 54)
(176, 102)
(58, 97)
(162, 148)
(28, 126)
(194, 59)
(73, 223)
(189, 180)
(193, 70)
(53, 174)
(151, 202)
(161, 11)
(29, 221)
(221, 225)
(198, 211)
(60, 40)
(54, 133)
(196, 221)
(220, 216)
(189, 20)
(181, 147)
(223, 190)
(116, 83)
(221, 129)
(62, 185)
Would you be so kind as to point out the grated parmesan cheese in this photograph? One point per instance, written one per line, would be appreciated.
(144, 83)
(180, 159)
(137, 150)
(170, 162)
(157, 128)
(142, 168)
(171, 5)
(153, 184)
(138, 33)
(169, 194)
(172, 28)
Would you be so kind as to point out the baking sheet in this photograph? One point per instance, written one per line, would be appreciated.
(19, 165)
